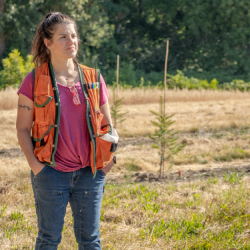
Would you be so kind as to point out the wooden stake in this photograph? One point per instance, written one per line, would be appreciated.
(117, 72)
(165, 74)
(164, 111)
(115, 89)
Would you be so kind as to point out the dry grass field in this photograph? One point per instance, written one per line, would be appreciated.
(148, 95)
(201, 214)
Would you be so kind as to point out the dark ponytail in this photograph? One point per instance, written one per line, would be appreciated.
(46, 29)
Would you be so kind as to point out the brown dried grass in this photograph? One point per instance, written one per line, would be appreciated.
(8, 99)
(189, 116)
(8, 137)
(148, 95)
(198, 118)
(124, 217)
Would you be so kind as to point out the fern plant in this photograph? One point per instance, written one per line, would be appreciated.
(165, 138)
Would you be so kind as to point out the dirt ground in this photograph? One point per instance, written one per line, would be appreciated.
(188, 172)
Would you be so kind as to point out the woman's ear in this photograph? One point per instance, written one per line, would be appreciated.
(46, 42)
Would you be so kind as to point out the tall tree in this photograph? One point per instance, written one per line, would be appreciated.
(21, 17)
(205, 35)
(2, 45)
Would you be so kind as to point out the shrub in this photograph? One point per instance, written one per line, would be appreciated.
(180, 81)
(15, 69)
(236, 85)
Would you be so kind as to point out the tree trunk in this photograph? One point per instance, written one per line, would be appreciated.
(2, 45)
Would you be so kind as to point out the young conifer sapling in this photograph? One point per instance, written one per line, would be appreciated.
(165, 138)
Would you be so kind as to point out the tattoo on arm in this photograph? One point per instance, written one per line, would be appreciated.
(23, 106)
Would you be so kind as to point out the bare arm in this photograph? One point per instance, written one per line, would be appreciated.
(106, 112)
(25, 115)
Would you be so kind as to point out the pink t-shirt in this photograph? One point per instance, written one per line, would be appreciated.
(73, 147)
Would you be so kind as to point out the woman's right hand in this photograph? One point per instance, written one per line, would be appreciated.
(37, 167)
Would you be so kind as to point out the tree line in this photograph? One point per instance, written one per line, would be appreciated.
(208, 38)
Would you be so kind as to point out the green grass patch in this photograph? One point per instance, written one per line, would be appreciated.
(131, 166)
(198, 215)
(229, 154)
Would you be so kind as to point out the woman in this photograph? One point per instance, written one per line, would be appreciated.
(56, 101)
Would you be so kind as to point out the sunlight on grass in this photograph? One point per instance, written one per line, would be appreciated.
(147, 216)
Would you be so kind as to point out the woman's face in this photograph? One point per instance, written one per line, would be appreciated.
(64, 44)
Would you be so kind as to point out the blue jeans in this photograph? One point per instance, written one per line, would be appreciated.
(52, 191)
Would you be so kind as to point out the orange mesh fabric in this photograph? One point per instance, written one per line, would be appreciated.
(44, 108)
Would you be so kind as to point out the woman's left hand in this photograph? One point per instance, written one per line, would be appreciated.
(108, 167)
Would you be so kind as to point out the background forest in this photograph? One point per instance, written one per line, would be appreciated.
(208, 39)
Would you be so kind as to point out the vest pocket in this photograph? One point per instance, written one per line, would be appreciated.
(41, 101)
(42, 106)
(105, 149)
(42, 141)
(39, 132)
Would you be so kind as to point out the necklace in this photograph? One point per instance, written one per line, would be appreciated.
(72, 76)
(67, 80)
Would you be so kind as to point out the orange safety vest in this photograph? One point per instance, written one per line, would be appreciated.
(47, 116)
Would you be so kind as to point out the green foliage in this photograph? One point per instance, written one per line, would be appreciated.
(212, 180)
(116, 114)
(165, 138)
(233, 178)
(177, 229)
(192, 227)
(20, 18)
(3, 209)
(16, 215)
(213, 45)
(221, 75)
(180, 81)
(230, 154)
(216, 218)
(236, 85)
(15, 69)
(217, 41)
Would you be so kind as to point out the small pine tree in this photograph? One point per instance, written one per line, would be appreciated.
(116, 114)
(165, 139)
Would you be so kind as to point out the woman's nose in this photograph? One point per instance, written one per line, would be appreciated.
(70, 40)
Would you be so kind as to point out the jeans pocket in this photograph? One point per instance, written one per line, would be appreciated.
(40, 173)
(102, 173)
